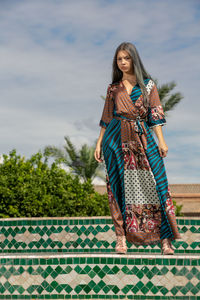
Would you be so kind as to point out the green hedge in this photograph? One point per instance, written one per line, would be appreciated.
(32, 188)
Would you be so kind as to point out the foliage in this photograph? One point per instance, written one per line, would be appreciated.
(168, 101)
(178, 209)
(81, 163)
(32, 188)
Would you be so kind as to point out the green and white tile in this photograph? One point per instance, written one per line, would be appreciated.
(89, 235)
(42, 276)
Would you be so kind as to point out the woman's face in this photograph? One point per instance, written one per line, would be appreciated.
(124, 62)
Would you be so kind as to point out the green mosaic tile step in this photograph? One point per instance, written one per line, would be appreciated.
(89, 235)
(106, 276)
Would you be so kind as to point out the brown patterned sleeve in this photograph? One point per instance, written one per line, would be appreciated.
(107, 114)
(156, 114)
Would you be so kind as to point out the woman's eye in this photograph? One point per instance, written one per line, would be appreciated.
(127, 58)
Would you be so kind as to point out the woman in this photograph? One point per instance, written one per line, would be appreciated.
(139, 197)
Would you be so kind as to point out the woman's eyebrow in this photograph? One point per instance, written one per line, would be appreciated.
(123, 56)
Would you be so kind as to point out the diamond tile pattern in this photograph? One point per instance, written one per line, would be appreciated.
(72, 258)
(105, 275)
(88, 235)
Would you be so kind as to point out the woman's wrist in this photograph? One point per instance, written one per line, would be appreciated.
(159, 133)
(99, 142)
(100, 138)
(161, 140)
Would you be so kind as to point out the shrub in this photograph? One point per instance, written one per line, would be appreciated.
(32, 188)
(178, 209)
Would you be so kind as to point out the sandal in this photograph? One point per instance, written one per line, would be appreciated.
(166, 248)
(121, 244)
(170, 244)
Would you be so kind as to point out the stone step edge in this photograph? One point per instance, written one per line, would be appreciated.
(81, 218)
(93, 255)
(185, 196)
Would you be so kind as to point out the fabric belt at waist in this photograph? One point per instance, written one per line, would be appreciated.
(137, 121)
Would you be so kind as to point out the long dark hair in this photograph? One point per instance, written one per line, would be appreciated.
(138, 68)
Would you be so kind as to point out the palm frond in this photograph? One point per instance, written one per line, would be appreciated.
(168, 101)
(87, 157)
(172, 102)
(70, 149)
(53, 151)
(165, 90)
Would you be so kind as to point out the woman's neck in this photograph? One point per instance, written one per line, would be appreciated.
(129, 77)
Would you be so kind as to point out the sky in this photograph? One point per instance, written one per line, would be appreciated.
(56, 62)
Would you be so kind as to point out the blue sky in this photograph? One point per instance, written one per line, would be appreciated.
(56, 59)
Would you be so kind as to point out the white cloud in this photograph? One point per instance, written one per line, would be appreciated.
(56, 60)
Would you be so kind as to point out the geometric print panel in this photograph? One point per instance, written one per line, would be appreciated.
(140, 187)
(149, 86)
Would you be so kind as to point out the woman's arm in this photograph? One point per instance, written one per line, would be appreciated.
(163, 149)
(156, 118)
(107, 116)
(97, 152)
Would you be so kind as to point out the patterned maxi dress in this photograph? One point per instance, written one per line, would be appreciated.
(138, 193)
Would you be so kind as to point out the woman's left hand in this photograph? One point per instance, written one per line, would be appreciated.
(163, 149)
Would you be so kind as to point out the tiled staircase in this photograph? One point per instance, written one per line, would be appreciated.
(64, 258)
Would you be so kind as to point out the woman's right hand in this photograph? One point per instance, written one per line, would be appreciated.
(97, 153)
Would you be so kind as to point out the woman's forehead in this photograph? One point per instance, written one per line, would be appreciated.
(122, 53)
